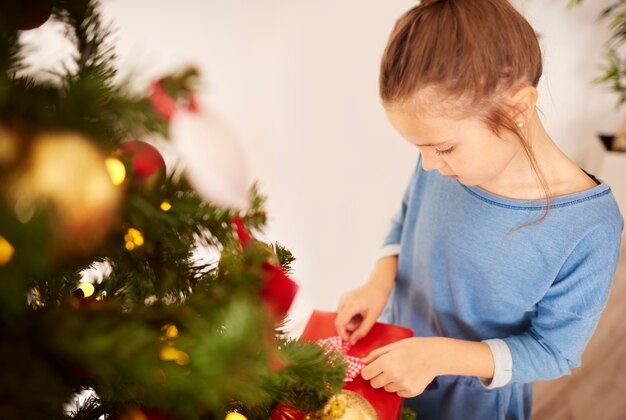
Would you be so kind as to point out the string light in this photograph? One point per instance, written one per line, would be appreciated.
(170, 331)
(172, 353)
(166, 205)
(6, 251)
(168, 353)
(117, 170)
(87, 289)
(133, 238)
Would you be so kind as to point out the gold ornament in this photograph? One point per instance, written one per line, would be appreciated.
(235, 416)
(6, 251)
(346, 405)
(66, 173)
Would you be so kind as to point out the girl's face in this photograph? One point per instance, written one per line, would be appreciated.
(461, 148)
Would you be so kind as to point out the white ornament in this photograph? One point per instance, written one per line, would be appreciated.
(213, 157)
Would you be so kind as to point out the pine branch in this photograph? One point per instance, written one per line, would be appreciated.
(309, 379)
(95, 55)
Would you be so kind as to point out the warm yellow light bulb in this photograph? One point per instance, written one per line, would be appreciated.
(133, 239)
(235, 416)
(87, 289)
(170, 330)
(117, 170)
(168, 353)
(166, 205)
(6, 251)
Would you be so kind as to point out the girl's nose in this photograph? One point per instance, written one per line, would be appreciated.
(430, 163)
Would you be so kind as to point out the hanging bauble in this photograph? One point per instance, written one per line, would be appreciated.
(346, 405)
(213, 158)
(25, 14)
(145, 162)
(66, 174)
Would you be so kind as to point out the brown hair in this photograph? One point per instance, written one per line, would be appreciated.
(473, 50)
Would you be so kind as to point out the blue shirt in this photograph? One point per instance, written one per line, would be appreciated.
(534, 294)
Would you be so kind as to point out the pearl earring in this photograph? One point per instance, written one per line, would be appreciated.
(520, 124)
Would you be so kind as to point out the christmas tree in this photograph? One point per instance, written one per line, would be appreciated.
(153, 331)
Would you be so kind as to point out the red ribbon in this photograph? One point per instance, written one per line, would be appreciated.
(355, 365)
(278, 290)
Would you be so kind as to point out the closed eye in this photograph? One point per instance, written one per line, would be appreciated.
(445, 152)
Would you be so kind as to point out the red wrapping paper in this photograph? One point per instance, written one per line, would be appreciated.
(321, 325)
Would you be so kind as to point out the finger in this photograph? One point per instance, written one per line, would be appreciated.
(363, 329)
(393, 387)
(375, 354)
(380, 381)
(354, 323)
(342, 322)
(371, 371)
(407, 394)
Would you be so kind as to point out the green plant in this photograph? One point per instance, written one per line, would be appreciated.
(614, 70)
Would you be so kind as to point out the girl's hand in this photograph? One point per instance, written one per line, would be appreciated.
(405, 367)
(358, 311)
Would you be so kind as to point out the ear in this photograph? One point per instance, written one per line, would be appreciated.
(523, 103)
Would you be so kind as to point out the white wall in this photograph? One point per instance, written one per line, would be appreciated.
(298, 81)
(574, 109)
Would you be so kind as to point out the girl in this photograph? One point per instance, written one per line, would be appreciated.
(502, 255)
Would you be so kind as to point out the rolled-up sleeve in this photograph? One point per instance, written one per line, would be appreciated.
(503, 364)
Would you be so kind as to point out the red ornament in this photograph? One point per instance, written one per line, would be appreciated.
(278, 290)
(25, 15)
(146, 161)
(285, 412)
